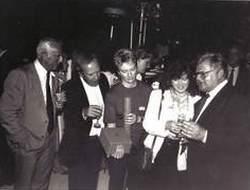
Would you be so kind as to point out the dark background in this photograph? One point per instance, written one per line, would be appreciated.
(196, 24)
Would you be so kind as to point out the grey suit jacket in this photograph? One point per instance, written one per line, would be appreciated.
(22, 109)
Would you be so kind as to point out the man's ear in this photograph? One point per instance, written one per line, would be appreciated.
(119, 73)
(221, 73)
(60, 59)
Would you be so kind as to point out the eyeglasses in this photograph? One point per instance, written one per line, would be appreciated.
(204, 74)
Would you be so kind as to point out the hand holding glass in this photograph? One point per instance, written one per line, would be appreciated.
(60, 99)
(174, 129)
(98, 113)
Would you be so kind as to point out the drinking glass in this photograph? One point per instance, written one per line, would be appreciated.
(97, 123)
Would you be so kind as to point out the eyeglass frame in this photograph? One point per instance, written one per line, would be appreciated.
(203, 74)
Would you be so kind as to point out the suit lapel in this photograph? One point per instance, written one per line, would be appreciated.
(216, 106)
(36, 85)
(81, 92)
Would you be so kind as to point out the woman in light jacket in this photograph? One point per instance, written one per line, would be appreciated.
(167, 108)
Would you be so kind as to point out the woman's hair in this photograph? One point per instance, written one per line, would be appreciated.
(175, 70)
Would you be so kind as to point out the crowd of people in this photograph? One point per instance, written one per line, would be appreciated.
(194, 117)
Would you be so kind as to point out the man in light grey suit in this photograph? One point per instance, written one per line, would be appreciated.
(28, 114)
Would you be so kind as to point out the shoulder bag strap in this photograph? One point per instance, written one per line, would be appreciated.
(159, 114)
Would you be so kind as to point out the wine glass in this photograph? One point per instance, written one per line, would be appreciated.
(97, 122)
(180, 120)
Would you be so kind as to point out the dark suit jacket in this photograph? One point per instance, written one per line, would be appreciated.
(76, 128)
(243, 81)
(22, 109)
(222, 163)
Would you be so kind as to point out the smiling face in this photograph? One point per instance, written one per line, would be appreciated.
(180, 85)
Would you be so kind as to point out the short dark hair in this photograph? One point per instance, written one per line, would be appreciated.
(175, 70)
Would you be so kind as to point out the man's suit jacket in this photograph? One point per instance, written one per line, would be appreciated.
(76, 129)
(222, 163)
(22, 109)
(243, 81)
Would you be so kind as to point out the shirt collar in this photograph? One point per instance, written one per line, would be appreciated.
(213, 92)
(83, 81)
(235, 68)
(40, 69)
(85, 84)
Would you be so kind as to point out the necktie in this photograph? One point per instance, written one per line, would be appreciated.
(49, 104)
(200, 105)
(231, 77)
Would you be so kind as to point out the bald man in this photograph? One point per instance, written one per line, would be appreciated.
(81, 150)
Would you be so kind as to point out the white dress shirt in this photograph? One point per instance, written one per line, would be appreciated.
(212, 94)
(42, 74)
(235, 74)
(94, 96)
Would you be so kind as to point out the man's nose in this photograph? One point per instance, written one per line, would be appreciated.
(96, 76)
(130, 74)
(197, 77)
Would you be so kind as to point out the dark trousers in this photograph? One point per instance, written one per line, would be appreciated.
(6, 161)
(83, 174)
(137, 179)
(125, 172)
(165, 174)
(118, 173)
(33, 168)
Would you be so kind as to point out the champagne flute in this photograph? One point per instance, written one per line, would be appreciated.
(180, 120)
(97, 123)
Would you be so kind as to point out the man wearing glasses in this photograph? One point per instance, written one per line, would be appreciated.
(219, 132)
